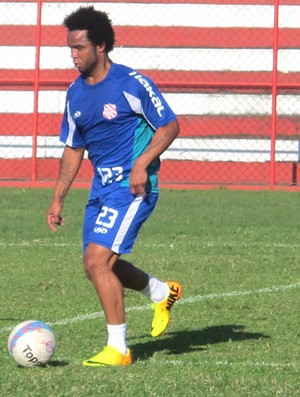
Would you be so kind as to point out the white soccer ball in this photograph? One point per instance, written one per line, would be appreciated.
(31, 343)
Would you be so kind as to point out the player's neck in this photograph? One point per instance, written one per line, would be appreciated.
(100, 73)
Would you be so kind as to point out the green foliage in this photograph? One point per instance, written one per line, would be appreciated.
(235, 332)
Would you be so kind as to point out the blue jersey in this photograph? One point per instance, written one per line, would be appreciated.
(115, 120)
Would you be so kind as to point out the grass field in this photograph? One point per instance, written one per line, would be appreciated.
(234, 333)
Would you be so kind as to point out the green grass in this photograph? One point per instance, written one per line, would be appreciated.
(234, 333)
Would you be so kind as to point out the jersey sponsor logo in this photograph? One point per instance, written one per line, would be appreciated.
(77, 114)
(109, 111)
(154, 98)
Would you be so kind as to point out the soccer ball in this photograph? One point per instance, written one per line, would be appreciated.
(31, 343)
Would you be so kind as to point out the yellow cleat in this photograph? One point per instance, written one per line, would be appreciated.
(162, 309)
(109, 356)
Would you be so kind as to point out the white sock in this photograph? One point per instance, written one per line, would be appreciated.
(117, 337)
(156, 290)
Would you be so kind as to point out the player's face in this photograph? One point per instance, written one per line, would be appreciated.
(84, 53)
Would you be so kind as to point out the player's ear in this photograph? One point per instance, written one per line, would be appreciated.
(101, 48)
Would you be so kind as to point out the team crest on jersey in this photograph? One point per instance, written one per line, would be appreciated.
(109, 111)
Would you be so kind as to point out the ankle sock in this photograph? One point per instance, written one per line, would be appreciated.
(117, 337)
(156, 290)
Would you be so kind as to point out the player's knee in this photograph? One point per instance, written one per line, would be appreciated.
(94, 266)
(86, 272)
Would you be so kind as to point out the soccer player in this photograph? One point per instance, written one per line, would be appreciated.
(123, 122)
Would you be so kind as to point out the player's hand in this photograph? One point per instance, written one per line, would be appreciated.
(53, 216)
(138, 181)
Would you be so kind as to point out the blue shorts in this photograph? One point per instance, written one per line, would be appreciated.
(114, 220)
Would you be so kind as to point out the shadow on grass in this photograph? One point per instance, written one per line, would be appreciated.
(188, 341)
(57, 363)
(51, 363)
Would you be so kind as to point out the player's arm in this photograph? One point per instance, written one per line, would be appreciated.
(68, 168)
(161, 140)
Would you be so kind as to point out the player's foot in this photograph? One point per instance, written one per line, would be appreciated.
(109, 356)
(162, 309)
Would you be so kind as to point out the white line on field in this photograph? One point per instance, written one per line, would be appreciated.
(224, 363)
(35, 243)
(231, 294)
(192, 299)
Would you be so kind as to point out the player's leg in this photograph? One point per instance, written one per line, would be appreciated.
(130, 276)
(162, 294)
(98, 263)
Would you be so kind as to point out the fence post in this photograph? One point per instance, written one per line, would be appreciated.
(36, 89)
(274, 95)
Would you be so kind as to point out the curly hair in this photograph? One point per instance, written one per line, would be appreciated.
(97, 23)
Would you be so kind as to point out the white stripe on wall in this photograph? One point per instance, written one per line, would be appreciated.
(181, 103)
(189, 59)
(199, 15)
(198, 149)
(154, 14)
